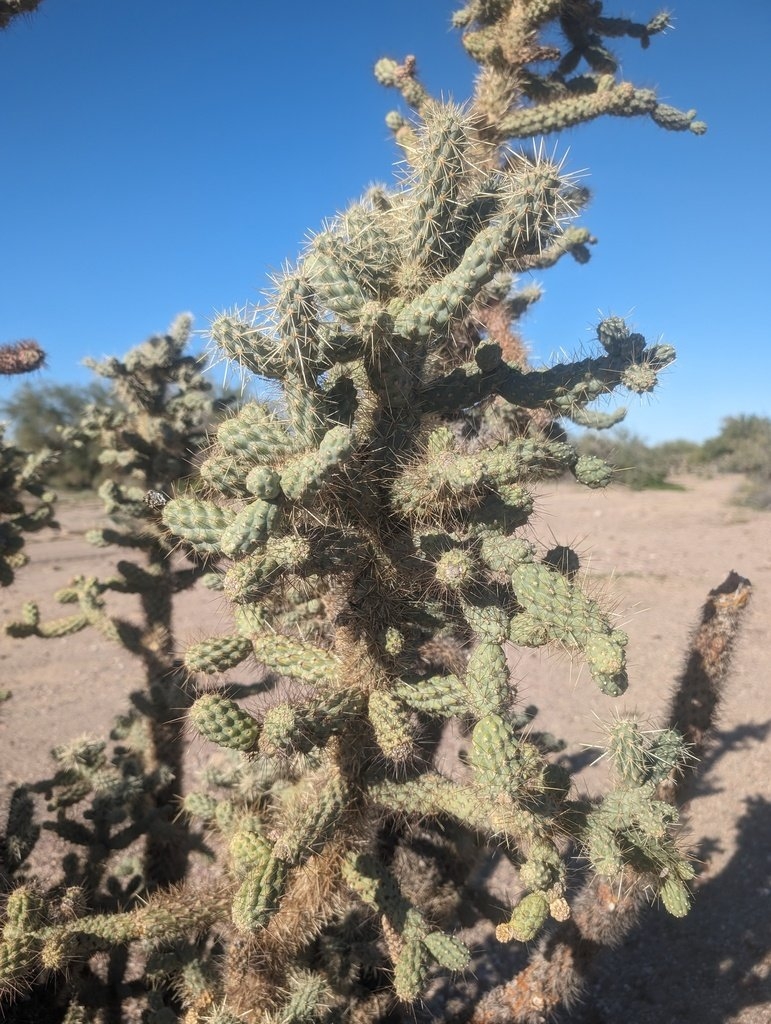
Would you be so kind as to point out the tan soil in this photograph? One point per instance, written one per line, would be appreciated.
(653, 555)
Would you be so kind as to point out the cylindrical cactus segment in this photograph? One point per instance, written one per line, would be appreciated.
(487, 680)
(250, 528)
(259, 895)
(295, 658)
(445, 696)
(494, 752)
(393, 725)
(572, 618)
(217, 654)
(256, 434)
(249, 852)
(200, 523)
(448, 951)
(302, 478)
(529, 214)
(441, 167)
(312, 815)
(248, 579)
(592, 472)
(263, 482)
(527, 919)
(222, 721)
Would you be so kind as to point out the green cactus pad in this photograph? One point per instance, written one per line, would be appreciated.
(250, 528)
(200, 523)
(217, 654)
(295, 658)
(259, 895)
(222, 721)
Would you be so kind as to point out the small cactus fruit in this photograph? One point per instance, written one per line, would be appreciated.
(222, 721)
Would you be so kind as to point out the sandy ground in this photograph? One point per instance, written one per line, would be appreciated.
(652, 556)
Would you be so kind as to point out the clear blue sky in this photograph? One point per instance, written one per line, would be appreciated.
(162, 157)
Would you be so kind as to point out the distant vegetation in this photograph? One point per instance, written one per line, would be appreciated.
(37, 413)
(742, 446)
(42, 415)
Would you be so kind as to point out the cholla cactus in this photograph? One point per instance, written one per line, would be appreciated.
(26, 504)
(368, 535)
(21, 357)
(10, 9)
(529, 83)
(357, 492)
(117, 805)
(150, 438)
(20, 474)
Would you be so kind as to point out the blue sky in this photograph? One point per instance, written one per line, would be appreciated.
(163, 157)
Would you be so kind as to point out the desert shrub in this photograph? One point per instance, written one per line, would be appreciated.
(36, 415)
(743, 446)
(635, 463)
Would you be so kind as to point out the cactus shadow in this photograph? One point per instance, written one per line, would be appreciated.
(741, 739)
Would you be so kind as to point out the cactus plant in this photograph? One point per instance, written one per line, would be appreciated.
(368, 536)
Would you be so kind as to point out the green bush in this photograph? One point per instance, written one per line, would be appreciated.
(38, 412)
(743, 446)
(636, 464)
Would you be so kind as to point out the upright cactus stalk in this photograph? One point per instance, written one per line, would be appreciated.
(26, 504)
(368, 535)
(149, 437)
(360, 497)
(129, 792)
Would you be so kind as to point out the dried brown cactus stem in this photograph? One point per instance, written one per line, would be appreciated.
(20, 356)
(700, 686)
